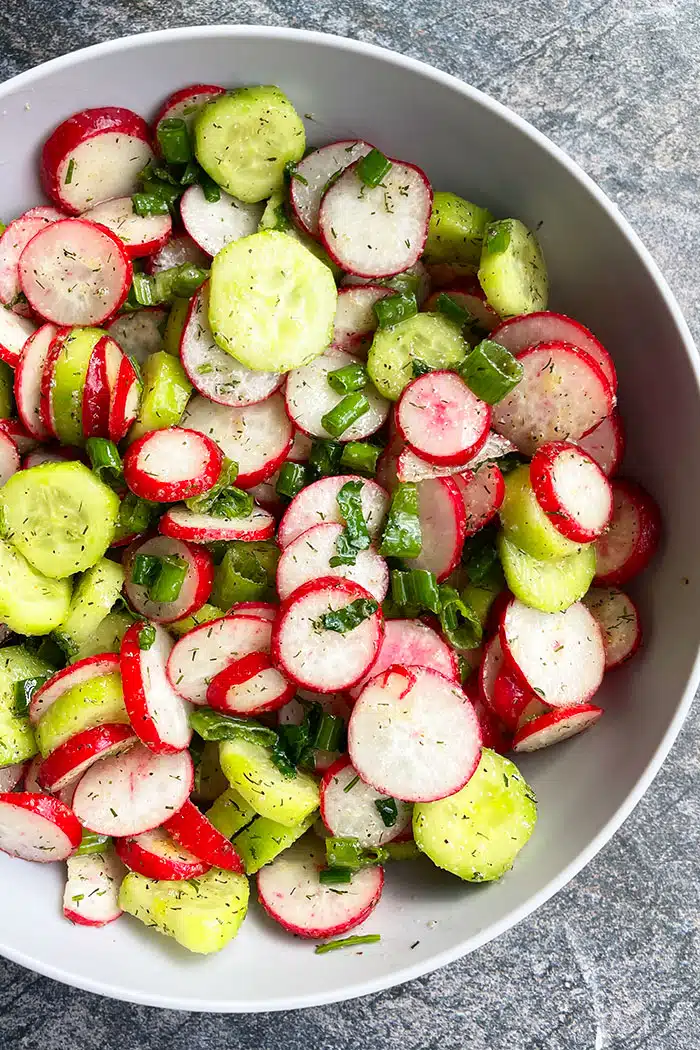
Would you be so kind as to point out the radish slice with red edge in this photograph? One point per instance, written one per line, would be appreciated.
(410, 467)
(178, 251)
(96, 394)
(413, 735)
(572, 490)
(562, 395)
(91, 896)
(509, 698)
(483, 492)
(156, 855)
(618, 619)
(468, 294)
(9, 458)
(489, 670)
(14, 333)
(249, 686)
(355, 319)
(632, 538)
(313, 175)
(196, 586)
(317, 658)
(376, 231)
(140, 332)
(207, 650)
(37, 827)
(186, 103)
(133, 792)
(493, 733)
(69, 761)
(157, 713)
(172, 464)
(93, 156)
(318, 503)
(560, 656)
(348, 808)
(51, 454)
(140, 234)
(309, 397)
(291, 893)
(606, 443)
(295, 712)
(184, 524)
(407, 642)
(263, 610)
(195, 833)
(125, 397)
(554, 726)
(14, 429)
(443, 524)
(442, 420)
(74, 272)
(417, 271)
(13, 241)
(309, 556)
(74, 675)
(31, 777)
(214, 224)
(10, 776)
(47, 380)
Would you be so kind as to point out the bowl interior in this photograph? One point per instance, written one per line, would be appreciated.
(600, 275)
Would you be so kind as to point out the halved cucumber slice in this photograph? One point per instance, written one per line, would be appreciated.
(97, 702)
(166, 391)
(30, 603)
(271, 302)
(456, 231)
(477, 833)
(230, 813)
(106, 638)
(250, 770)
(265, 839)
(550, 586)
(428, 338)
(17, 741)
(68, 382)
(525, 523)
(6, 384)
(96, 592)
(60, 516)
(512, 270)
(245, 139)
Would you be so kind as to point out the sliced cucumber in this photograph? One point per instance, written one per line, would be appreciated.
(30, 603)
(525, 523)
(230, 812)
(271, 302)
(94, 703)
(427, 338)
(265, 839)
(512, 271)
(480, 598)
(316, 249)
(250, 770)
(245, 139)
(202, 914)
(68, 383)
(107, 636)
(456, 231)
(17, 741)
(174, 326)
(96, 592)
(477, 833)
(550, 586)
(166, 391)
(203, 615)
(60, 516)
(209, 779)
(6, 388)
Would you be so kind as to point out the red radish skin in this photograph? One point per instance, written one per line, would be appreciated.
(618, 619)
(350, 811)
(195, 589)
(483, 492)
(554, 726)
(75, 674)
(249, 686)
(312, 178)
(509, 698)
(443, 523)
(606, 444)
(633, 537)
(195, 833)
(69, 761)
(96, 394)
(263, 610)
(186, 103)
(107, 146)
(156, 855)
(141, 235)
(179, 250)
(14, 429)
(173, 464)
(572, 490)
(309, 396)
(10, 776)
(317, 503)
(441, 420)
(205, 651)
(13, 241)
(14, 333)
(184, 524)
(493, 733)
(92, 889)
(489, 670)
(310, 554)
(46, 381)
(140, 332)
(407, 642)
(37, 827)
(468, 294)
(355, 319)
(125, 398)
(157, 713)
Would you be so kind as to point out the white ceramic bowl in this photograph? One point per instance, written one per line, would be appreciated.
(602, 275)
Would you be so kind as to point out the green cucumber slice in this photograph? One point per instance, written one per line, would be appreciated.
(550, 586)
(17, 741)
(6, 389)
(204, 615)
(477, 833)
(264, 839)
(245, 139)
(209, 779)
(94, 703)
(274, 216)
(95, 593)
(30, 603)
(202, 914)
(431, 339)
(230, 812)
(456, 231)
(68, 382)
(271, 302)
(250, 770)
(166, 391)
(60, 516)
(107, 636)
(174, 326)
(525, 523)
(512, 271)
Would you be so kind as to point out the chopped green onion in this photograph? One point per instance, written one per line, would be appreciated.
(105, 460)
(3, 227)
(147, 636)
(25, 690)
(51, 652)
(163, 175)
(510, 461)
(415, 587)
(168, 582)
(324, 457)
(191, 174)
(174, 140)
(348, 379)
(232, 503)
(331, 876)
(291, 480)
(168, 190)
(419, 368)
(69, 172)
(135, 516)
(351, 784)
(212, 726)
(460, 624)
(401, 851)
(177, 282)
(395, 308)
(210, 189)
(491, 372)
(201, 504)
(347, 942)
(451, 308)
(407, 283)
(355, 536)
(290, 170)
(345, 413)
(144, 570)
(402, 533)
(350, 853)
(245, 573)
(387, 810)
(91, 842)
(373, 167)
(360, 457)
(147, 204)
(480, 557)
(329, 733)
(347, 618)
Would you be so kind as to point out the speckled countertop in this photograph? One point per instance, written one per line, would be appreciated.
(612, 963)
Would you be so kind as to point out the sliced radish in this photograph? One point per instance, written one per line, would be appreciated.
(196, 586)
(50, 454)
(172, 464)
(133, 792)
(249, 686)
(195, 833)
(156, 855)
(91, 896)
(47, 380)
(157, 713)
(186, 103)
(267, 496)
(14, 333)
(319, 659)
(442, 420)
(519, 333)
(125, 396)
(412, 642)
(443, 523)
(560, 656)
(489, 670)
(214, 224)
(309, 397)
(355, 319)
(318, 503)
(380, 231)
(618, 618)
(140, 332)
(96, 394)
(413, 735)
(74, 272)
(37, 827)
(410, 467)
(468, 294)
(213, 373)
(509, 698)
(178, 251)
(563, 394)
(31, 777)
(140, 234)
(550, 728)
(207, 650)
(75, 674)
(291, 894)
(10, 776)
(9, 458)
(13, 241)
(606, 443)
(301, 448)
(348, 808)
(309, 556)
(93, 156)
(632, 538)
(418, 271)
(295, 711)
(14, 429)
(493, 733)
(256, 437)
(184, 524)
(67, 763)
(263, 610)
(572, 490)
(315, 173)
(483, 492)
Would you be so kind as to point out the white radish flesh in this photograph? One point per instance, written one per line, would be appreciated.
(157, 712)
(204, 652)
(28, 373)
(185, 524)
(249, 686)
(12, 243)
(156, 855)
(355, 319)
(483, 492)
(309, 556)
(214, 224)
(606, 444)
(9, 458)
(309, 397)
(10, 776)
(37, 827)
(313, 174)
(442, 420)
(618, 619)
(172, 464)
(412, 642)
(349, 811)
(186, 103)
(141, 234)
(178, 251)
(14, 333)
(443, 526)
(554, 726)
(572, 490)
(318, 503)
(140, 333)
(74, 675)
(67, 763)
(92, 889)
(196, 586)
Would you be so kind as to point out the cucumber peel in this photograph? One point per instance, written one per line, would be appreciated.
(525, 523)
(512, 270)
(550, 586)
(97, 702)
(6, 390)
(250, 770)
(17, 741)
(456, 231)
(166, 391)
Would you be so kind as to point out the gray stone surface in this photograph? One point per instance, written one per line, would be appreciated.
(612, 962)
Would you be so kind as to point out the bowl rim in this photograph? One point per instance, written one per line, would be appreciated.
(439, 959)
